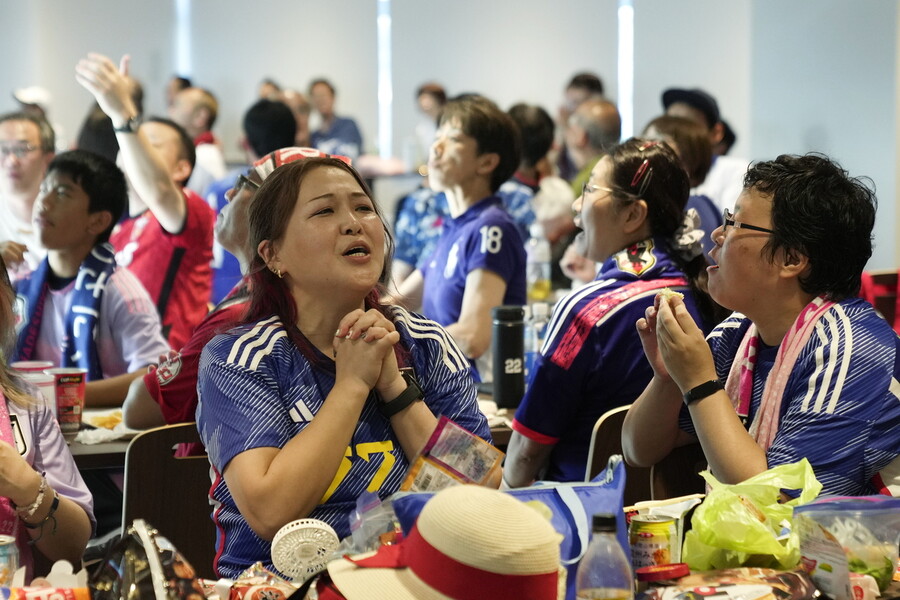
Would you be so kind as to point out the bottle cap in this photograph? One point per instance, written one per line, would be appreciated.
(604, 522)
(662, 572)
(540, 310)
(508, 313)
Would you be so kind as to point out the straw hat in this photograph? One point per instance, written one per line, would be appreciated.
(469, 542)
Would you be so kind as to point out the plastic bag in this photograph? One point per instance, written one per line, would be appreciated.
(744, 525)
(844, 535)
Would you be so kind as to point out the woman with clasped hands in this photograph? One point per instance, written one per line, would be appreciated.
(305, 407)
(43, 500)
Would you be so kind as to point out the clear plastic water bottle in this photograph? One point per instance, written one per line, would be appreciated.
(537, 268)
(604, 572)
(536, 318)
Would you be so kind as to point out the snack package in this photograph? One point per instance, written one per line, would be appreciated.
(451, 456)
(44, 593)
(144, 564)
(745, 525)
(841, 536)
(258, 583)
(737, 584)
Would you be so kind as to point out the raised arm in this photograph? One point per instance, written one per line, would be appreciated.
(732, 453)
(144, 167)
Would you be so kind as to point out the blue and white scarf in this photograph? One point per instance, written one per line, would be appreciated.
(79, 344)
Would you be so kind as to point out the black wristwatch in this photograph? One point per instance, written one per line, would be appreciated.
(702, 391)
(412, 393)
(130, 126)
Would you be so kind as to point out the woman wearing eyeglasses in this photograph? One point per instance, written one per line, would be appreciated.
(631, 214)
(804, 368)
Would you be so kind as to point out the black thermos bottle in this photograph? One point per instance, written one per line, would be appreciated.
(508, 350)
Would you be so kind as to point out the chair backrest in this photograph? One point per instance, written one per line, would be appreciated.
(606, 440)
(171, 493)
(678, 473)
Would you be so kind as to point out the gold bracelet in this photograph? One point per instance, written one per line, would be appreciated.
(28, 511)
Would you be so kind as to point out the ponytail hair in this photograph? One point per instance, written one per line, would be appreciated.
(651, 171)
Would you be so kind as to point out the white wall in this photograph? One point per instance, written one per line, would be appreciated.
(694, 43)
(520, 52)
(789, 76)
(824, 77)
(51, 36)
(238, 43)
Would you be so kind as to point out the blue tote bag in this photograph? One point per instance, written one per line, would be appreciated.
(572, 505)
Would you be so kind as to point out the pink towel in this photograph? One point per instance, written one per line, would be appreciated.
(740, 378)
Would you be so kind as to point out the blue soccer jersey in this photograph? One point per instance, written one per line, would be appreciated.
(841, 405)
(517, 199)
(483, 237)
(592, 360)
(257, 390)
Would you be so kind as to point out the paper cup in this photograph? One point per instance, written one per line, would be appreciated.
(46, 385)
(69, 387)
(31, 366)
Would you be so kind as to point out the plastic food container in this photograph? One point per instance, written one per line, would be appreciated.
(843, 535)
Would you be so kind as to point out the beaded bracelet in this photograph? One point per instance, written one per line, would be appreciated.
(29, 510)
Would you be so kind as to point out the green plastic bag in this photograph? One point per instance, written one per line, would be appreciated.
(727, 530)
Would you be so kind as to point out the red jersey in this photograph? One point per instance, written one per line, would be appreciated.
(174, 267)
(173, 384)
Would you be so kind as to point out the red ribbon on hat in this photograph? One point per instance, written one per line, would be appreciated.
(453, 578)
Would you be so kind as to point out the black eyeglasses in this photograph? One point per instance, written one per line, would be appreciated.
(242, 182)
(728, 218)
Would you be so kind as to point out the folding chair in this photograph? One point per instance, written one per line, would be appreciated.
(606, 440)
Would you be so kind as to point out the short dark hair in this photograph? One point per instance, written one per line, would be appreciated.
(821, 212)
(729, 137)
(100, 178)
(435, 90)
(182, 82)
(45, 130)
(493, 131)
(188, 152)
(269, 125)
(587, 81)
(537, 129)
(691, 142)
(324, 82)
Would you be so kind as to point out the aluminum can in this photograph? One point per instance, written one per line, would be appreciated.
(652, 539)
(9, 559)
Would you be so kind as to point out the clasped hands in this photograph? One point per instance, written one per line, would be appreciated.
(674, 345)
(364, 348)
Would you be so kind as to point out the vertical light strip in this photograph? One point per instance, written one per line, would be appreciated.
(385, 81)
(183, 65)
(625, 67)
